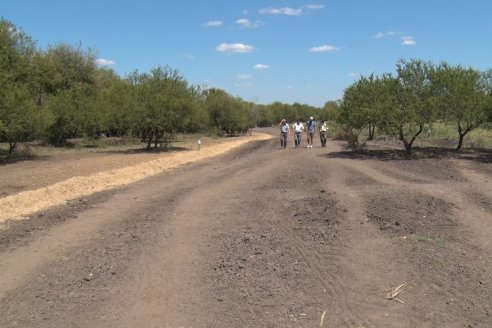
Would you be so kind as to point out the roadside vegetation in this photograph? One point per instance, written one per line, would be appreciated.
(422, 100)
(55, 95)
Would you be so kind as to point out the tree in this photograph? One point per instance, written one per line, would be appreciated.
(163, 103)
(413, 102)
(19, 120)
(330, 111)
(461, 97)
(363, 105)
(115, 100)
(63, 67)
(486, 86)
(229, 115)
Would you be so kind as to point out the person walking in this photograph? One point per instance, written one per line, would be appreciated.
(284, 132)
(323, 131)
(298, 128)
(310, 130)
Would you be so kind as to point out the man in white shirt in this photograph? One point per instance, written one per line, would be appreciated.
(298, 128)
(284, 131)
(323, 130)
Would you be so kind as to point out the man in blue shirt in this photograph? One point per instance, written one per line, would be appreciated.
(310, 129)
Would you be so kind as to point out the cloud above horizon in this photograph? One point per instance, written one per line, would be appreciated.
(382, 35)
(324, 48)
(288, 11)
(245, 23)
(408, 41)
(215, 23)
(281, 11)
(240, 48)
(261, 66)
(104, 62)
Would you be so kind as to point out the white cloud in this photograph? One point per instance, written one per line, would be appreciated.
(354, 74)
(282, 11)
(235, 47)
(408, 41)
(244, 77)
(104, 62)
(215, 23)
(245, 23)
(290, 11)
(261, 66)
(324, 48)
(315, 6)
(382, 35)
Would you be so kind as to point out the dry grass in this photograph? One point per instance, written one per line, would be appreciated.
(21, 205)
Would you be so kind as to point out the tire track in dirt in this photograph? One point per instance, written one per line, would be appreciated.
(428, 216)
(366, 250)
(58, 279)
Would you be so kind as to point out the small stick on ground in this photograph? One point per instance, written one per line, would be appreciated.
(322, 319)
(392, 295)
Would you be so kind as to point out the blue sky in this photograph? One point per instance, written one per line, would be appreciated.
(260, 50)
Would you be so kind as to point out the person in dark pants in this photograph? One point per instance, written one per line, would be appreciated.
(284, 132)
(323, 130)
(311, 129)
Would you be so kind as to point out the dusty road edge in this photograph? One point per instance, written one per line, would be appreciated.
(21, 205)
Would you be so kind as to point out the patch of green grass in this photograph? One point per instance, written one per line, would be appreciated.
(446, 134)
(110, 144)
(418, 238)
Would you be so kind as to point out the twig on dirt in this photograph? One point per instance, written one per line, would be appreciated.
(392, 295)
(322, 319)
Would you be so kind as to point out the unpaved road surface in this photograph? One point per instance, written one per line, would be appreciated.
(263, 237)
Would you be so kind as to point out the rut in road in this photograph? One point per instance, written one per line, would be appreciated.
(260, 237)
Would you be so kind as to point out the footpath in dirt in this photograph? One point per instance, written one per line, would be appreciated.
(263, 237)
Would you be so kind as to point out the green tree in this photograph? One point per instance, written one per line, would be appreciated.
(461, 97)
(19, 120)
(229, 115)
(116, 100)
(63, 67)
(362, 105)
(64, 109)
(163, 104)
(330, 111)
(413, 108)
(486, 86)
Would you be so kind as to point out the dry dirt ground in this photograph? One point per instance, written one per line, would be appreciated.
(263, 237)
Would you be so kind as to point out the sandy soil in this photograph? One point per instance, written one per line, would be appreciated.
(263, 237)
(90, 175)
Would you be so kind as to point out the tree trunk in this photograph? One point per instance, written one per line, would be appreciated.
(408, 144)
(372, 129)
(12, 145)
(150, 137)
(460, 141)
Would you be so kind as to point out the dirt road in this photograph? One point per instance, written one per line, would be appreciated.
(263, 237)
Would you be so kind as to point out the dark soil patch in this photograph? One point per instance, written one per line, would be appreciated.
(405, 213)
